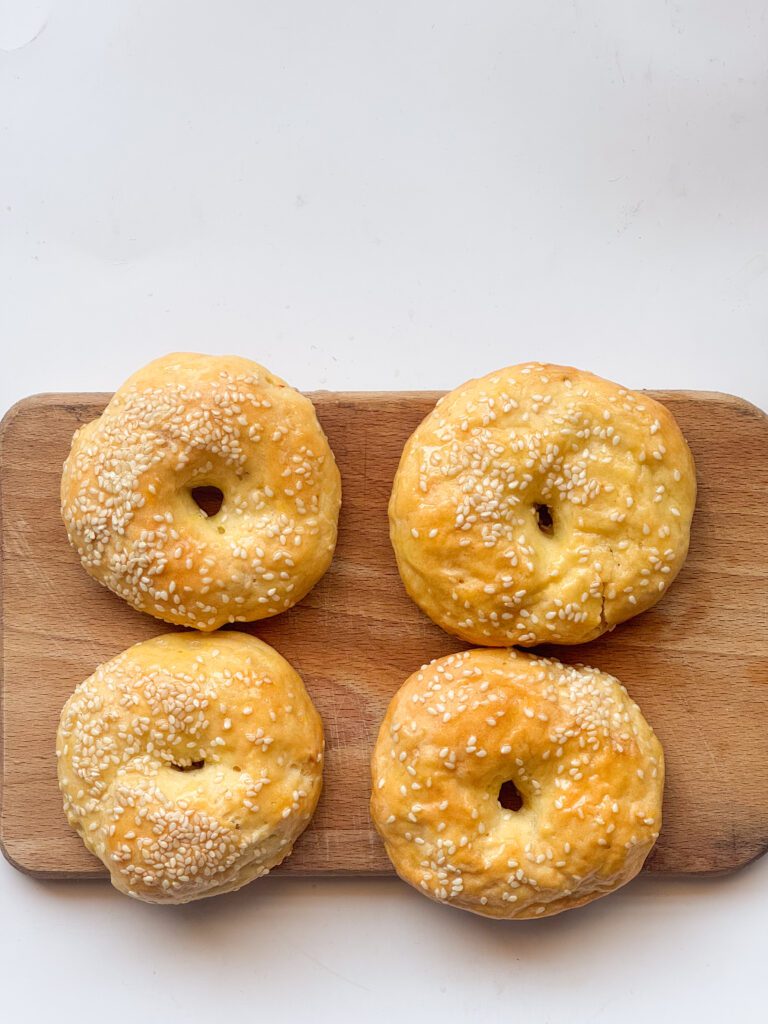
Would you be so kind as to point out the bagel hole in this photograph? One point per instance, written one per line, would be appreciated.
(544, 518)
(509, 796)
(208, 499)
(193, 766)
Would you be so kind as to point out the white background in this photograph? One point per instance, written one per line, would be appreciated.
(384, 195)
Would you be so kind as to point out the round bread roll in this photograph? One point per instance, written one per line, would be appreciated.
(541, 504)
(188, 422)
(565, 744)
(190, 764)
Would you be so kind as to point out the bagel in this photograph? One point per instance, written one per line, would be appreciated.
(541, 504)
(583, 763)
(187, 422)
(190, 764)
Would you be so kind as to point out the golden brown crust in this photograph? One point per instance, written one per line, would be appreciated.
(187, 421)
(190, 764)
(586, 763)
(499, 457)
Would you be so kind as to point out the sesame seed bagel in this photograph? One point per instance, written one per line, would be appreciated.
(190, 421)
(585, 764)
(190, 764)
(541, 504)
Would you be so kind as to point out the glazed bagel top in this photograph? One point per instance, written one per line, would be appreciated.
(188, 421)
(541, 504)
(586, 764)
(190, 763)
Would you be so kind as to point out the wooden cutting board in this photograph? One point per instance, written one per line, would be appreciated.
(697, 663)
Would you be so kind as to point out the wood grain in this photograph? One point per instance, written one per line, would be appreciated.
(697, 663)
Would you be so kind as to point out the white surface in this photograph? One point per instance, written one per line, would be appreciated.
(384, 195)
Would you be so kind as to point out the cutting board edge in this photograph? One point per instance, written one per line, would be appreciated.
(57, 398)
(284, 870)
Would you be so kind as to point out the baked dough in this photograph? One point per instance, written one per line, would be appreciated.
(190, 764)
(190, 421)
(585, 762)
(541, 504)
